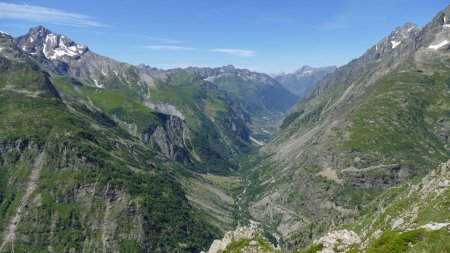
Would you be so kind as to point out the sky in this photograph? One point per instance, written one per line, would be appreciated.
(268, 36)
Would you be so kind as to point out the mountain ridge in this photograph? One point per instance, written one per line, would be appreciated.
(364, 128)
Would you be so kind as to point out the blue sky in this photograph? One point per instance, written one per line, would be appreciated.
(262, 35)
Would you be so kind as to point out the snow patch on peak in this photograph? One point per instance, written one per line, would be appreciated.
(44, 50)
(97, 84)
(395, 43)
(307, 72)
(437, 46)
(210, 78)
(58, 46)
(445, 23)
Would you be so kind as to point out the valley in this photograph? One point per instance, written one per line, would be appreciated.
(99, 155)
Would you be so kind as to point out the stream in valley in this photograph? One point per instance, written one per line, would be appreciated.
(242, 215)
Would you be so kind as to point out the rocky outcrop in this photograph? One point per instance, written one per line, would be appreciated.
(390, 213)
(166, 108)
(338, 241)
(169, 137)
(373, 176)
(239, 234)
(254, 242)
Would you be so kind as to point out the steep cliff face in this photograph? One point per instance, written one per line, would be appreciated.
(217, 126)
(170, 137)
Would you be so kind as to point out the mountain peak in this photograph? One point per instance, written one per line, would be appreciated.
(306, 70)
(39, 30)
(41, 41)
(305, 67)
(303, 80)
(407, 30)
(4, 35)
(401, 33)
(441, 21)
(407, 26)
(229, 67)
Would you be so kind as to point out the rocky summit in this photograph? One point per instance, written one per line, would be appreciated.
(101, 155)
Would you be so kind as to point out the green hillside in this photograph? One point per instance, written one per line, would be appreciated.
(72, 179)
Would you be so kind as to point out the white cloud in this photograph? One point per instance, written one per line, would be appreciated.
(45, 15)
(230, 51)
(235, 52)
(167, 48)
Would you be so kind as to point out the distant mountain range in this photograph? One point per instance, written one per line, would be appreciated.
(258, 92)
(303, 81)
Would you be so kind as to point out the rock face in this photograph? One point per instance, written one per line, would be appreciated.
(304, 80)
(167, 109)
(340, 240)
(430, 192)
(240, 233)
(52, 46)
(243, 239)
(400, 210)
(169, 137)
